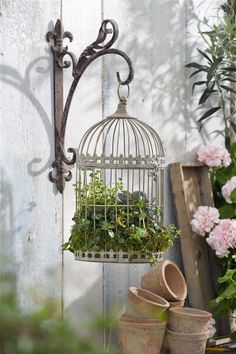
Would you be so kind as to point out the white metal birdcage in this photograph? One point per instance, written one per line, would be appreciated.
(120, 166)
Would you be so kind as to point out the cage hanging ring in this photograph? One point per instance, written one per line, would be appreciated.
(119, 94)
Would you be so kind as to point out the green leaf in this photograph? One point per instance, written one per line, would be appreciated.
(205, 55)
(207, 93)
(229, 68)
(209, 113)
(195, 73)
(233, 147)
(229, 79)
(198, 83)
(227, 88)
(227, 211)
(230, 292)
(212, 70)
(224, 174)
(233, 335)
(233, 126)
(197, 66)
(233, 195)
(227, 277)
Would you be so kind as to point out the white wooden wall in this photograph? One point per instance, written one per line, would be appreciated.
(160, 36)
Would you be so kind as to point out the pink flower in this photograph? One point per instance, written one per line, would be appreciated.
(228, 188)
(214, 156)
(223, 237)
(204, 219)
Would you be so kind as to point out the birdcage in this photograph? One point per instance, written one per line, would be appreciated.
(119, 190)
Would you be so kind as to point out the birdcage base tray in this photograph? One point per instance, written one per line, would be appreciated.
(116, 257)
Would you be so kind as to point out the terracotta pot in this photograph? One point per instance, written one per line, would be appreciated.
(176, 303)
(165, 280)
(189, 343)
(188, 320)
(132, 319)
(140, 337)
(143, 303)
(165, 345)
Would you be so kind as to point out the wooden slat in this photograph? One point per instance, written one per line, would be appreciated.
(83, 281)
(191, 187)
(30, 226)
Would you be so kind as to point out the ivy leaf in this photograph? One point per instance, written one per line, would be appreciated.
(209, 113)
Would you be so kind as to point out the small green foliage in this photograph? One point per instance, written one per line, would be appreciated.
(217, 69)
(111, 218)
(40, 332)
(226, 299)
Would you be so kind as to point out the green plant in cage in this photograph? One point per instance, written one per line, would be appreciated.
(113, 219)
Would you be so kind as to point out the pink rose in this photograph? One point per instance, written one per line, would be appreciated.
(223, 237)
(228, 188)
(204, 220)
(213, 156)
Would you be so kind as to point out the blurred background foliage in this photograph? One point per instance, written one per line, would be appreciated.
(43, 331)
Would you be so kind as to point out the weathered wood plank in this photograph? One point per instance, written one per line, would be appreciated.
(83, 282)
(191, 188)
(134, 39)
(31, 210)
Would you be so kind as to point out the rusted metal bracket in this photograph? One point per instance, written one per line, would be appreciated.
(93, 51)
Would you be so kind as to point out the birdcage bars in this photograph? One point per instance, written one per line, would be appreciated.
(120, 164)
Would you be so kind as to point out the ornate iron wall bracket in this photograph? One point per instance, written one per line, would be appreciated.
(93, 51)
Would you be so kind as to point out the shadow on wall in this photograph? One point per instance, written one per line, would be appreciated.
(85, 314)
(158, 52)
(201, 13)
(11, 77)
(7, 228)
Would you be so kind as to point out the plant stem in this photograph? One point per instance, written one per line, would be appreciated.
(223, 105)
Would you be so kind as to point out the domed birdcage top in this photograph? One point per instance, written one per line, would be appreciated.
(121, 139)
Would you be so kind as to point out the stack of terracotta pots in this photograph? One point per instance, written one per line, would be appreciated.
(141, 329)
(188, 330)
(158, 302)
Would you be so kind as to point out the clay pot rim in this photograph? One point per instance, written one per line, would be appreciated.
(132, 291)
(190, 312)
(133, 319)
(179, 303)
(163, 268)
(188, 336)
(142, 324)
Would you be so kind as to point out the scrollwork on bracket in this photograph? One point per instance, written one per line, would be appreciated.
(98, 48)
(57, 37)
